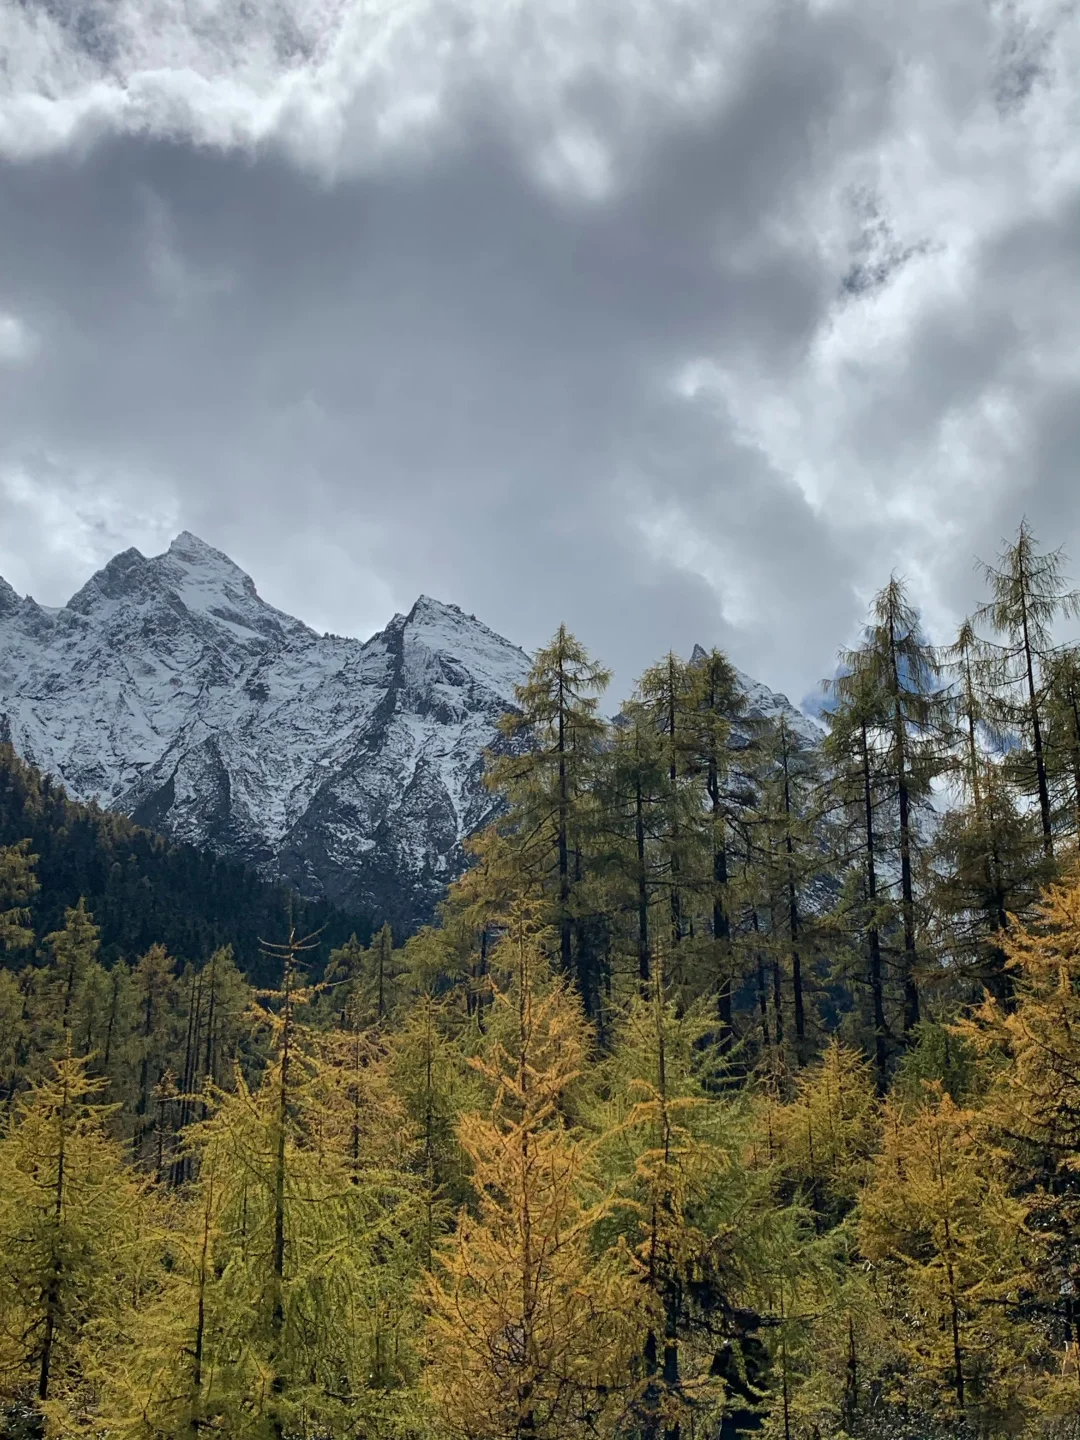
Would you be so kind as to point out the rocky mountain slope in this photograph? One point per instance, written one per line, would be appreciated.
(168, 689)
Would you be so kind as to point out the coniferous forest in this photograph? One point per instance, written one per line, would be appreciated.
(142, 889)
(737, 1091)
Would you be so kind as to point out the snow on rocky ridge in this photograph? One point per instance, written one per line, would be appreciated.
(168, 689)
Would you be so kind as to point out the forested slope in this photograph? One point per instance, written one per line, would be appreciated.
(141, 888)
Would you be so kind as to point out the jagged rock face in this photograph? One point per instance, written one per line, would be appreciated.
(167, 689)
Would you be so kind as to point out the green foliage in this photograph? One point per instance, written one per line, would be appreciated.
(18, 885)
(948, 1245)
(1028, 594)
(530, 1334)
(72, 1240)
(547, 781)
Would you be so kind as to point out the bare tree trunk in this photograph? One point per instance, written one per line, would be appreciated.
(642, 888)
(877, 993)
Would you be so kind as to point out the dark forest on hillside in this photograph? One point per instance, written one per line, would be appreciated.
(143, 889)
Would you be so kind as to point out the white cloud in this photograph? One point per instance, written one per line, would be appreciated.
(876, 422)
(342, 83)
(17, 341)
(61, 523)
(844, 234)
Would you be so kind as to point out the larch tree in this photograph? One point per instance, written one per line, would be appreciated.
(857, 791)
(1032, 1111)
(901, 669)
(343, 974)
(710, 701)
(153, 985)
(285, 1308)
(632, 825)
(987, 860)
(547, 784)
(663, 692)
(950, 1248)
(1028, 595)
(531, 1334)
(667, 1145)
(18, 886)
(989, 865)
(429, 1071)
(1063, 739)
(71, 1241)
(286, 1305)
(967, 661)
(72, 951)
(381, 975)
(787, 831)
(822, 1141)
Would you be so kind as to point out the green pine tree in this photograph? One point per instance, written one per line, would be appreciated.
(546, 778)
(1028, 594)
(18, 886)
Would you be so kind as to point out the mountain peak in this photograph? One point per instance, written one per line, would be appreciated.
(123, 576)
(441, 615)
(210, 584)
(192, 550)
(190, 576)
(188, 540)
(436, 627)
(189, 554)
(427, 607)
(9, 598)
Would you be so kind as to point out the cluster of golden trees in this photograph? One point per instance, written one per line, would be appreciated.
(472, 1220)
(737, 1092)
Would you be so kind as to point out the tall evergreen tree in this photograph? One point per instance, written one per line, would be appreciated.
(950, 1247)
(632, 826)
(711, 700)
(989, 866)
(987, 861)
(429, 1071)
(547, 786)
(72, 951)
(859, 790)
(18, 885)
(1032, 1047)
(530, 1334)
(901, 671)
(663, 691)
(788, 827)
(1028, 594)
(285, 1308)
(667, 1145)
(822, 1141)
(70, 1241)
(153, 983)
(1063, 739)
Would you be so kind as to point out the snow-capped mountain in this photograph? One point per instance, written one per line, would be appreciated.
(168, 689)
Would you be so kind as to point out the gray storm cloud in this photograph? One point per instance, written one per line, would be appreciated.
(673, 320)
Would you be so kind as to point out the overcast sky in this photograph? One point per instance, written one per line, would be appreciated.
(677, 320)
